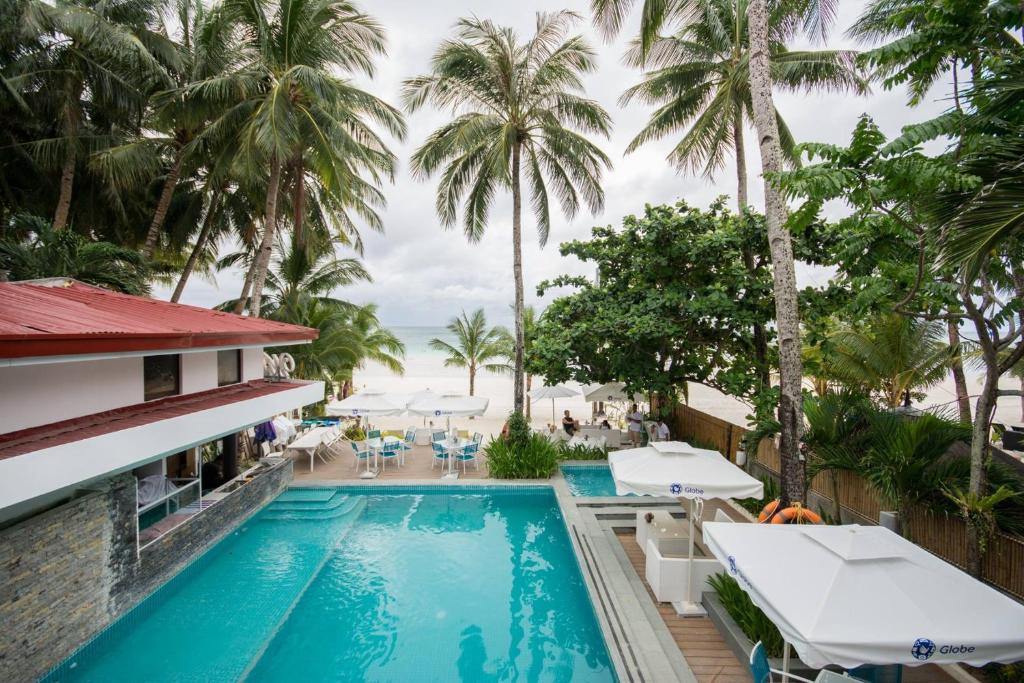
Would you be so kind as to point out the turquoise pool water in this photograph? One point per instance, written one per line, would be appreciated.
(399, 585)
(589, 480)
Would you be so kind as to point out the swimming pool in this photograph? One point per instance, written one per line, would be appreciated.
(589, 480)
(369, 584)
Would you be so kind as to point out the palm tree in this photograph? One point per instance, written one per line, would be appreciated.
(477, 347)
(296, 107)
(95, 64)
(893, 356)
(903, 461)
(700, 79)
(62, 253)
(835, 437)
(814, 16)
(519, 111)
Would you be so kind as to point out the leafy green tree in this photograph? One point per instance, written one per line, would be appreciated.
(673, 302)
(699, 78)
(477, 346)
(814, 16)
(62, 253)
(521, 113)
(894, 356)
(895, 189)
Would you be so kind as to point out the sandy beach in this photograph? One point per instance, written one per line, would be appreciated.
(425, 369)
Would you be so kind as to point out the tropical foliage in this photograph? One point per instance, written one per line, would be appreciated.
(521, 453)
(699, 78)
(521, 115)
(476, 346)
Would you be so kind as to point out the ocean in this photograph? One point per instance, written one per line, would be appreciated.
(425, 369)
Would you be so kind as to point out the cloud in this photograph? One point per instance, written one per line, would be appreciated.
(424, 274)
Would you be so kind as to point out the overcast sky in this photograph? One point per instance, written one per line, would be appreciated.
(423, 274)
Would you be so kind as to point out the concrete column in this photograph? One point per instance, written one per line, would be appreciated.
(230, 457)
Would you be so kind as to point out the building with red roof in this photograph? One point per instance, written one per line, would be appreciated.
(94, 383)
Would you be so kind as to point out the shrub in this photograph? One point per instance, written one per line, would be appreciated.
(518, 430)
(748, 616)
(355, 433)
(581, 451)
(506, 459)
(755, 505)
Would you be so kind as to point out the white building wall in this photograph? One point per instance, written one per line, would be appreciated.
(198, 371)
(252, 364)
(33, 395)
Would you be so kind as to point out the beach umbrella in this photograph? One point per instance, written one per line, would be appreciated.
(611, 392)
(854, 595)
(425, 395)
(367, 404)
(552, 392)
(449, 405)
(674, 468)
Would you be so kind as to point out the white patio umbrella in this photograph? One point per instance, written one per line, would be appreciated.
(609, 393)
(552, 392)
(367, 404)
(853, 595)
(674, 468)
(425, 395)
(449, 405)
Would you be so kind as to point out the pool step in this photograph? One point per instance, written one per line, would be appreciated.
(339, 506)
(284, 504)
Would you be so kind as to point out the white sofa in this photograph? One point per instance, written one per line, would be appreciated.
(667, 570)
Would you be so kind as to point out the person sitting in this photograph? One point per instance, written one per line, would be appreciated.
(663, 431)
(605, 424)
(569, 424)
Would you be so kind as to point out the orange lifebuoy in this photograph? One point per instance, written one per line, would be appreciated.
(795, 514)
(767, 511)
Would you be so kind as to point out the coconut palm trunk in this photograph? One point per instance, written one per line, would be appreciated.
(197, 248)
(67, 181)
(781, 249)
(164, 203)
(741, 161)
(262, 260)
(517, 275)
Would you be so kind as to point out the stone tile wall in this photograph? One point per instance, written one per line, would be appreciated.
(68, 572)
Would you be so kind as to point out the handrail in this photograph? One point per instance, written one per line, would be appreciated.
(164, 498)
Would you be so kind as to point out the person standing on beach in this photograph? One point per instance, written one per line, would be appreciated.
(636, 423)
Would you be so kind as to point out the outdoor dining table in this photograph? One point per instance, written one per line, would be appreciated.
(453, 447)
(376, 445)
(308, 442)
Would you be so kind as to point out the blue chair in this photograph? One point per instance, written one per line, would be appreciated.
(410, 439)
(762, 671)
(440, 453)
(391, 450)
(373, 434)
(469, 453)
(362, 452)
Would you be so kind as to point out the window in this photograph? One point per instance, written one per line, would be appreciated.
(162, 376)
(229, 367)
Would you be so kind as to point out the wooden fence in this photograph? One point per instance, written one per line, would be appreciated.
(942, 534)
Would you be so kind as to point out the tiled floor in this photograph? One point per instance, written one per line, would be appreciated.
(417, 466)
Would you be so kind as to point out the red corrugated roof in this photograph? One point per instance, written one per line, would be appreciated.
(89, 426)
(64, 317)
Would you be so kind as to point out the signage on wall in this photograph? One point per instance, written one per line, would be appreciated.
(278, 367)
